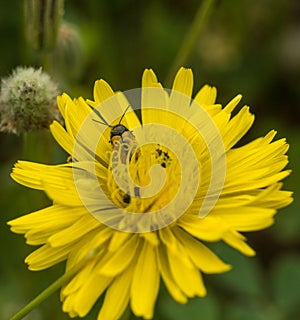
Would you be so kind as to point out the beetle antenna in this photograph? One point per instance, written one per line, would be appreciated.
(102, 123)
(100, 116)
(124, 114)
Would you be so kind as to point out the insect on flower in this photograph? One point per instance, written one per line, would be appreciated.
(124, 252)
(124, 146)
(118, 131)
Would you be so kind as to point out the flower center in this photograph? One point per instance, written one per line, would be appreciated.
(144, 178)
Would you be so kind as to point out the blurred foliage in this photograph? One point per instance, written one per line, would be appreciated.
(247, 47)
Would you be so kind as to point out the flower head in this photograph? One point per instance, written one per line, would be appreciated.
(27, 101)
(140, 198)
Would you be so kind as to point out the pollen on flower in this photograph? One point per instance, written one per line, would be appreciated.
(163, 157)
(135, 184)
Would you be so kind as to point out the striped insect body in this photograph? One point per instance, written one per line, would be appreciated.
(124, 146)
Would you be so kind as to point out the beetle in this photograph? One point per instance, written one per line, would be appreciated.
(124, 145)
(118, 131)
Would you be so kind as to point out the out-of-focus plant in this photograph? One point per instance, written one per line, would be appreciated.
(246, 46)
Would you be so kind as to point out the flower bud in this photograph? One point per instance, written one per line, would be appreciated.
(68, 55)
(27, 101)
(41, 22)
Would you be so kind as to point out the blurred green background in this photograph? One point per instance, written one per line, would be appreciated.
(248, 47)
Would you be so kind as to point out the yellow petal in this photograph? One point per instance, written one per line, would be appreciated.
(102, 91)
(206, 96)
(145, 283)
(246, 218)
(46, 256)
(62, 137)
(91, 243)
(232, 104)
(187, 278)
(117, 296)
(75, 232)
(42, 218)
(180, 97)
(149, 79)
(237, 127)
(202, 257)
(130, 119)
(237, 241)
(151, 237)
(91, 289)
(154, 98)
(117, 240)
(62, 102)
(167, 277)
(76, 114)
(72, 287)
(207, 229)
(184, 81)
(118, 261)
(41, 225)
(170, 240)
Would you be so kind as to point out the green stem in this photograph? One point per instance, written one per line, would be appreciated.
(190, 39)
(37, 146)
(31, 146)
(45, 56)
(47, 292)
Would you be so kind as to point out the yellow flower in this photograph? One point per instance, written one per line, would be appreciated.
(139, 199)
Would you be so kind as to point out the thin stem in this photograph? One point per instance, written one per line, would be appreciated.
(37, 146)
(190, 39)
(47, 292)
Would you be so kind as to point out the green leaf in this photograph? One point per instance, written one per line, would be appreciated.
(198, 308)
(251, 310)
(245, 276)
(285, 281)
(286, 228)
